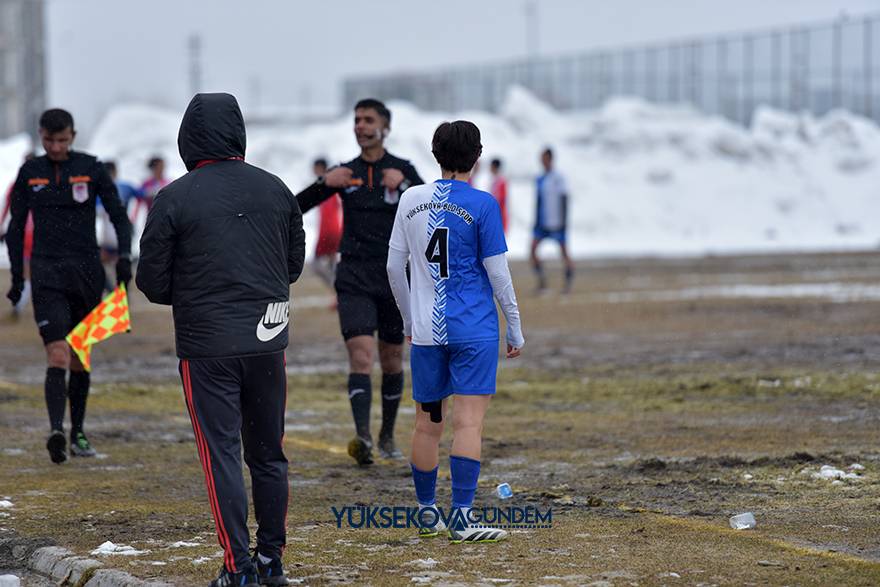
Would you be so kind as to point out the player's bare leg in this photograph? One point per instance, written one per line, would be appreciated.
(569, 268)
(467, 425)
(360, 361)
(464, 458)
(426, 439)
(391, 360)
(424, 460)
(538, 267)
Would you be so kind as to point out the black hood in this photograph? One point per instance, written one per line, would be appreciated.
(212, 128)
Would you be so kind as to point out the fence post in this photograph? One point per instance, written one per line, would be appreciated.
(748, 78)
(722, 76)
(793, 68)
(836, 81)
(776, 68)
(869, 86)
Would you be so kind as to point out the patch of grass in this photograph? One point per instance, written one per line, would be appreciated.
(567, 440)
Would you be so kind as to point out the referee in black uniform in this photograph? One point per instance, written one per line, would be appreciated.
(370, 186)
(60, 189)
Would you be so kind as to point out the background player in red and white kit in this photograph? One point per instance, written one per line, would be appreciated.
(28, 246)
(498, 189)
(329, 231)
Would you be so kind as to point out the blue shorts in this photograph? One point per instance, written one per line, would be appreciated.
(467, 368)
(557, 235)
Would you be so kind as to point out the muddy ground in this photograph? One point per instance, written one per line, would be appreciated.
(655, 401)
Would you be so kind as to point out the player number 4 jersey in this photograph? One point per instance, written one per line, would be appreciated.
(447, 228)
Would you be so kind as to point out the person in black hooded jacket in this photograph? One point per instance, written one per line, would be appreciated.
(222, 245)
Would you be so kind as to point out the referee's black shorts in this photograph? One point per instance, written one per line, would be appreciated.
(366, 303)
(64, 292)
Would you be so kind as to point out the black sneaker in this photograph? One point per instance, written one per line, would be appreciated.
(387, 448)
(271, 573)
(57, 447)
(361, 450)
(246, 578)
(80, 446)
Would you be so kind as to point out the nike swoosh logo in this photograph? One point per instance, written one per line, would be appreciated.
(266, 334)
(354, 392)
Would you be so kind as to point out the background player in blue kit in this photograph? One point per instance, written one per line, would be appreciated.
(453, 238)
(551, 218)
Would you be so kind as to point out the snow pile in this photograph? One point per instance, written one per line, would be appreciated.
(831, 473)
(109, 548)
(644, 178)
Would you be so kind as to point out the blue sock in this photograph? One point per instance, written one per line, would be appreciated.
(426, 485)
(465, 473)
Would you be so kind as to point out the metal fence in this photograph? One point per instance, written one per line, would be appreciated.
(22, 66)
(809, 67)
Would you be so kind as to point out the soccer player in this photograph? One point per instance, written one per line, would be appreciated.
(370, 186)
(60, 189)
(18, 308)
(155, 182)
(222, 245)
(329, 231)
(498, 189)
(451, 236)
(550, 219)
(107, 238)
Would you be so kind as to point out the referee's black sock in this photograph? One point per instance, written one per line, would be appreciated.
(78, 392)
(392, 390)
(360, 395)
(56, 399)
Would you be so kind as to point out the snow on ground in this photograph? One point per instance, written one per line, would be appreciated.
(108, 548)
(645, 179)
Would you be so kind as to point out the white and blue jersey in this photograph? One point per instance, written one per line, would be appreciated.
(550, 215)
(448, 228)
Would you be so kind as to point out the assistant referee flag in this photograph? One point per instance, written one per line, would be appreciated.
(108, 318)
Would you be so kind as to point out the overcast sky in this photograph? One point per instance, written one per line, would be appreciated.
(276, 52)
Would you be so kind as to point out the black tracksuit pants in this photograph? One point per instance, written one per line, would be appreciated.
(241, 398)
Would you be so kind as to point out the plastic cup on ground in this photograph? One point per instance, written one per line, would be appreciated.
(504, 491)
(744, 521)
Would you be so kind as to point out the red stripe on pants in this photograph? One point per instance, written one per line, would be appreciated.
(205, 458)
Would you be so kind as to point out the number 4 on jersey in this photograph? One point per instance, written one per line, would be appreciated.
(438, 250)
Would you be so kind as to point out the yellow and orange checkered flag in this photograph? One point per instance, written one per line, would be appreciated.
(108, 318)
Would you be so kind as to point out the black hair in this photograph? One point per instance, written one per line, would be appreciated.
(549, 152)
(496, 163)
(155, 160)
(376, 105)
(456, 145)
(110, 166)
(56, 120)
(320, 161)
